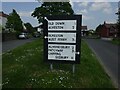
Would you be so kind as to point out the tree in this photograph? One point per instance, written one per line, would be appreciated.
(118, 22)
(14, 21)
(52, 8)
(98, 29)
(29, 28)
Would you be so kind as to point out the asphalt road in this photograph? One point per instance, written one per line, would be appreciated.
(107, 54)
(9, 45)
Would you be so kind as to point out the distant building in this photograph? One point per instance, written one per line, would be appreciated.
(107, 30)
(39, 28)
(3, 19)
(84, 31)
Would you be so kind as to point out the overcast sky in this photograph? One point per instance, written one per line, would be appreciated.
(93, 13)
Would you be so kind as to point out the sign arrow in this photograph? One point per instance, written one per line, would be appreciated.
(46, 18)
(77, 52)
(45, 37)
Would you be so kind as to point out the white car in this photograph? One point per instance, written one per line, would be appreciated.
(23, 36)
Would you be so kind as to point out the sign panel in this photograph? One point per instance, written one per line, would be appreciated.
(61, 52)
(62, 37)
(62, 25)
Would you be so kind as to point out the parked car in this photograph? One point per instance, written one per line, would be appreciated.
(23, 36)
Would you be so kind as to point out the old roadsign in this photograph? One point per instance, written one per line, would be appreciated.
(62, 38)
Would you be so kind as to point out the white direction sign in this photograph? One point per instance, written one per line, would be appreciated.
(62, 25)
(61, 52)
(62, 37)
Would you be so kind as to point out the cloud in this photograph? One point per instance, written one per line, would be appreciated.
(84, 11)
(83, 4)
(116, 10)
(104, 6)
(111, 21)
(95, 0)
(25, 13)
(107, 10)
(0, 6)
(85, 17)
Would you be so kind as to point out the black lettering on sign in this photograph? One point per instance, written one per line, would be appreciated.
(52, 39)
(71, 57)
(59, 23)
(55, 50)
(73, 39)
(72, 27)
(50, 23)
(61, 57)
(54, 53)
(67, 46)
(62, 39)
(55, 35)
(72, 49)
(55, 27)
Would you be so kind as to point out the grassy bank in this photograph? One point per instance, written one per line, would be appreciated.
(24, 67)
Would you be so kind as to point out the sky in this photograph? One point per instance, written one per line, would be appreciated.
(93, 13)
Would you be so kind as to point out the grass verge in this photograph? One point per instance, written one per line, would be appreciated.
(24, 67)
(116, 41)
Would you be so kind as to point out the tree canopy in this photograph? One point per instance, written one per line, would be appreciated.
(98, 28)
(14, 21)
(29, 27)
(52, 8)
(118, 22)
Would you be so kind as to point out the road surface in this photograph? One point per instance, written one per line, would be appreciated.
(9, 45)
(108, 56)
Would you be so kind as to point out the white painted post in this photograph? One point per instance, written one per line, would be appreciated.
(51, 66)
(73, 68)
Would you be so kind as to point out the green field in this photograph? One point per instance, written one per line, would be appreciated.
(24, 67)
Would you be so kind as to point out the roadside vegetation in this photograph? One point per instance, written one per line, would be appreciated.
(116, 41)
(24, 67)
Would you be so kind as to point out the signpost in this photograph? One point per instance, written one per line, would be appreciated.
(62, 39)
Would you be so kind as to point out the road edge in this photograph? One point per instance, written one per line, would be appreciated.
(104, 67)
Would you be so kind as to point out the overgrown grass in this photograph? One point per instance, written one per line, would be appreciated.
(116, 41)
(24, 67)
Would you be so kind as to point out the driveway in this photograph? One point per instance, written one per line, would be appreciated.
(9, 45)
(107, 54)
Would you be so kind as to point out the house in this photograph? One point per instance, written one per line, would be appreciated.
(84, 31)
(108, 30)
(3, 19)
(39, 28)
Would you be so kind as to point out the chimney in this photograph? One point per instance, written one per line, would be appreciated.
(104, 22)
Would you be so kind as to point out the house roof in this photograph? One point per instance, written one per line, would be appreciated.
(3, 14)
(108, 25)
(111, 25)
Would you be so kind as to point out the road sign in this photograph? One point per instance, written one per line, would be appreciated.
(62, 38)
(61, 52)
(62, 25)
